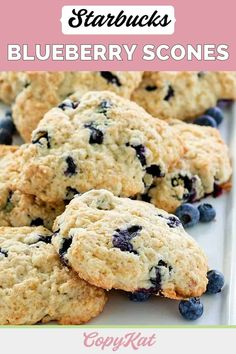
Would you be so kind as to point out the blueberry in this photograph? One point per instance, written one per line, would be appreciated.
(216, 113)
(139, 296)
(37, 222)
(66, 243)
(191, 309)
(5, 137)
(104, 106)
(207, 212)
(173, 222)
(45, 239)
(218, 190)
(7, 123)
(71, 167)
(206, 121)
(224, 103)
(215, 282)
(121, 238)
(201, 74)
(40, 137)
(68, 104)
(188, 183)
(96, 135)
(70, 193)
(188, 214)
(170, 93)
(111, 78)
(140, 152)
(155, 171)
(3, 252)
(151, 88)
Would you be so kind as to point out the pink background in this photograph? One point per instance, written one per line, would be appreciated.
(197, 22)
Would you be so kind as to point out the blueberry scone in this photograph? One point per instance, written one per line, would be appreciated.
(183, 95)
(204, 169)
(34, 93)
(36, 287)
(100, 141)
(19, 209)
(120, 243)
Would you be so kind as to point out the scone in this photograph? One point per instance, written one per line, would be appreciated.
(36, 287)
(204, 169)
(19, 209)
(120, 243)
(183, 95)
(34, 93)
(100, 141)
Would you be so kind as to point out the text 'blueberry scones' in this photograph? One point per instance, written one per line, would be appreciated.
(35, 286)
(34, 93)
(19, 209)
(183, 95)
(101, 141)
(124, 244)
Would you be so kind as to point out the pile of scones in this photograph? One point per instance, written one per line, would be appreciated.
(86, 201)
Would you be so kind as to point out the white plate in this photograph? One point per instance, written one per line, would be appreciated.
(218, 239)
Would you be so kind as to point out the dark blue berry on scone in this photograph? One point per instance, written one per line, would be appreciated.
(3, 252)
(37, 222)
(110, 78)
(218, 190)
(191, 309)
(201, 74)
(173, 222)
(207, 212)
(96, 135)
(206, 120)
(188, 184)
(216, 282)
(71, 167)
(155, 171)
(151, 88)
(65, 245)
(216, 113)
(122, 237)
(140, 152)
(70, 193)
(170, 93)
(139, 296)
(41, 138)
(104, 106)
(68, 104)
(45, 239)
(188, 214)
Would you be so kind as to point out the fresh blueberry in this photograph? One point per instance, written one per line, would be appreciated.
(5, 137)
(224, 103)
(188, 214)
(111, 78)
(207, 212)
(139, 296)
(215, 282)
(191, 309)
(121, 238)
(216, 113)
(7, 123)
(206, 121)
(151, 88)
(170, 93)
